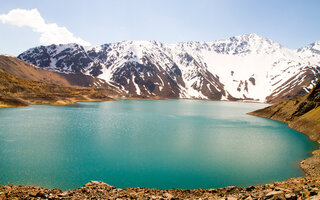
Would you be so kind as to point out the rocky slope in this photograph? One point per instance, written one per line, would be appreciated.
(15, 91)
(246, 67)
(301, 113)
(19, 68)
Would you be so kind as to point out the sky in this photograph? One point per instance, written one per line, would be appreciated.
(26, 24)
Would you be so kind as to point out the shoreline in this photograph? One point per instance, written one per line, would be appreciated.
(313, 162)
(304, 187)
(115, 97)
(59, 102)
(310, 165)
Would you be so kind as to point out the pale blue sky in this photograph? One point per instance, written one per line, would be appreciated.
(292, 23)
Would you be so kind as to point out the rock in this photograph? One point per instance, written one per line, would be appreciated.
(317, 197)
(231, 198)
(98, 183)
(276, 195)
(41, 195)
(212, 191)
(167, 195)
(230, 188)
(283, 189)
(64, 194)
(33, 193)
(249, 198)
(250, 188)
(2, 195)
(314, 191)
(291, 196)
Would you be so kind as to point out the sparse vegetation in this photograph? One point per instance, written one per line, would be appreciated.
(15, 91)
(301, 113)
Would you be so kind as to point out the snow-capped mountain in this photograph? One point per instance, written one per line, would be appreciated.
(246, 67)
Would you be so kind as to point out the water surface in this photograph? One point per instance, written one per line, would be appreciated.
(144, 143)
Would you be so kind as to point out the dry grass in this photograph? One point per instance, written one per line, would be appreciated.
(15, 91)
(300, 113)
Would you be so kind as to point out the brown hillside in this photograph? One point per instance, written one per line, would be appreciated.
(301, 113)
(15, 91)
(19, 68)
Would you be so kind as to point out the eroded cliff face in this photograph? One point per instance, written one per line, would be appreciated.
(301, 113)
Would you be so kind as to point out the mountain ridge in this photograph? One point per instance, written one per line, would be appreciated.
(246, 67)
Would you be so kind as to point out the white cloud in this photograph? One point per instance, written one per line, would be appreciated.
(50, 33)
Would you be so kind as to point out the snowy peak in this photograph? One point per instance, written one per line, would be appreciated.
(316, 47)
(313, 48)
(311, 52)
(62, 58)
(246, 44)
(245, 67)
(237, 45)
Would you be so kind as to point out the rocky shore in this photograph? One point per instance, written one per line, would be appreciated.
(295, 188)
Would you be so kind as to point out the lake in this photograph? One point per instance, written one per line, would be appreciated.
(147, 143)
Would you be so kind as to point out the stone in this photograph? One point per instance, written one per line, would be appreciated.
(249, 198)
(98, 183)
(275, 195)
(314, 191)
(33, 193)
(64, 194)
(231, 198)
(41, 194)
(317, 197)
(212, 190)
(291, 196)
(250, 188)
(2, 195)
(167, 195)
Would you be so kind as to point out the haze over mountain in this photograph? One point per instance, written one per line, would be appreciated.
(246, 67)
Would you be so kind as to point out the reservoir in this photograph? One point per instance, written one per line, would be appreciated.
(167, 144)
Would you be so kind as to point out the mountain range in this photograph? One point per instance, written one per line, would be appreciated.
(247, 67)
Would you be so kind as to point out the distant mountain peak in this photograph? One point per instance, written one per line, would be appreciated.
(250, 36)
(311, 52)
(245, 44)
(314, 47)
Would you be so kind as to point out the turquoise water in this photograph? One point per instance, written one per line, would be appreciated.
(144, 143)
